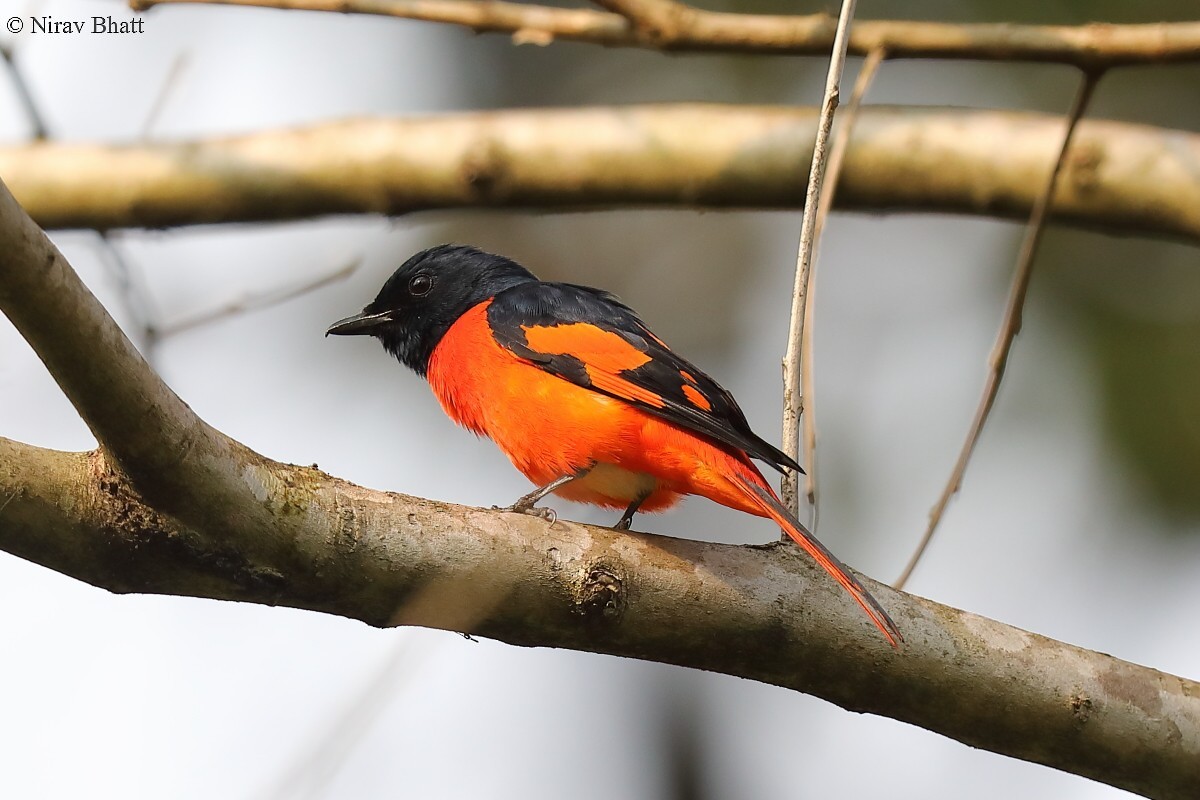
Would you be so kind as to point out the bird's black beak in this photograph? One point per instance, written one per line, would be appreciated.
(359, 324)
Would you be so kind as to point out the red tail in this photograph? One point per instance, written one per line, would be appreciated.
(765, 500)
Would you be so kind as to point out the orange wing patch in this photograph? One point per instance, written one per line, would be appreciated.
(593, 346)
(616, 385)
(697, 399)
(604, 355)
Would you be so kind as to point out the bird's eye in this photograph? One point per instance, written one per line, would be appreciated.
(420, 285)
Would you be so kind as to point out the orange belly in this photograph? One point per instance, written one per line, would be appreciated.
(549, 427)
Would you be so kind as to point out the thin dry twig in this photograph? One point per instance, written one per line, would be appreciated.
(793, 404)
(684, 28)
(178, 64)
(256, 302)
(136, 299)
(133, 295)
(844, 133)
(833, 171)
(37, 123)
(1011, 323)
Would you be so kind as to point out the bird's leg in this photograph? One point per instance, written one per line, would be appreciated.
(525, 504)
(627, 518)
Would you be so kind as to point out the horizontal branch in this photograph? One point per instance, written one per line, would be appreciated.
(1120, 178)
(765, 613)
(1093, 46)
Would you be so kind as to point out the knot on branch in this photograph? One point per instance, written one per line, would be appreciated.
(483, 169)
(1081, 707)
(126, 514)
(659, 24)
(1084, 162)
(600, 595)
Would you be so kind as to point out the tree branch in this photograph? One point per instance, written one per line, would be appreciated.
(1121, 178)
(389, 559)
(675, 27)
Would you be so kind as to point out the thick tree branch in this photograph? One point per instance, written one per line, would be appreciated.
(765, 613)
(1120, 178)
(675, 27)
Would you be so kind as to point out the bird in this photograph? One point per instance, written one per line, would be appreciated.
(582, 397)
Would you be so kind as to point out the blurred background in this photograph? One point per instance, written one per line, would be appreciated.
(1079, 517)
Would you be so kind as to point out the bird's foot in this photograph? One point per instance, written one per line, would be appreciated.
(626, 520)
(548, 514)
(527, 504)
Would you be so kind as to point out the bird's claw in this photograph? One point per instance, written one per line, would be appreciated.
(548, 514)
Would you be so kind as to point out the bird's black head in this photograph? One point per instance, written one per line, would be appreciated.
(423, 298)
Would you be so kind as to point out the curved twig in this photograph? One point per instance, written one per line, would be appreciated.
(1009, 326)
